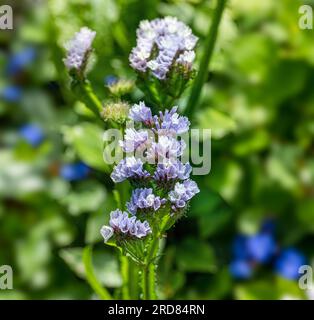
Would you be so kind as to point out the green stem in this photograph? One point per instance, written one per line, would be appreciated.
(125, 274)
(149, 268)
(134, 280)
(149, 272)
(130, 278)
(91, 277)
(208, 52)
(145, 284)
(149, 281)
(85, 93)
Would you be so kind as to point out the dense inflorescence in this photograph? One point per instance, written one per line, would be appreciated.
(162, 44)
(161, 182)
(78, 49)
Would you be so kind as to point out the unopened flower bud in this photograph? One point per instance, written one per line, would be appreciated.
(121, 87)
(116, 111)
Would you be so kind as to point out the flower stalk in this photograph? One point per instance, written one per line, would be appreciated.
(161, 188)
(209, 47)
(85, 93)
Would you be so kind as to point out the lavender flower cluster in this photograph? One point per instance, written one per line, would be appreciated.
(121, 223)
(144, 200)
(162, 43)
(170, 186)
(129, 168)
(182, 193)
(79, 48)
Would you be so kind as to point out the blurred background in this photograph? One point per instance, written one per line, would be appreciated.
(252, 225)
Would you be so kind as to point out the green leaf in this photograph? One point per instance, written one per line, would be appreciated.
(292, 74)
(279, 172)
(105, 266)
(254, 56)
(88, 197)
(18, 178)
(213, 222)
(289, 289)
(90, 274)
(86, 139)
(225, 178)
(305, 214)
(220, 285)
(273, 289)
(33, 255)
(205, 203)
(256, 291)
(219, 123)
(252, 142)
(195, 256)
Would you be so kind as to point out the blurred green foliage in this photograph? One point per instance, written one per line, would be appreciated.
(258, 101)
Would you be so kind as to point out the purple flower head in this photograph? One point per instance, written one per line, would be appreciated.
(174, 42)
(142, 229)
(129, 167)
(182, 193)
(289, 262)
(268, 226)
(134, 140)
(121, 223)
(261, 247)
(11, 93)
(239, 247)
(78, 48)
(172, 170)
(143, 199)
(138, 58)
(241, 269)
(141, 113)
(166, 148)
(74, 171)
(116, 217)
(20, 60)
(32, 133)
(171, 122)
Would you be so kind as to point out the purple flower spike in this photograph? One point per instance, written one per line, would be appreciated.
(143, 199)
(78, 48)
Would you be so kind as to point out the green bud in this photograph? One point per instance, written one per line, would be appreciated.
(116, 111)
(121, 87)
